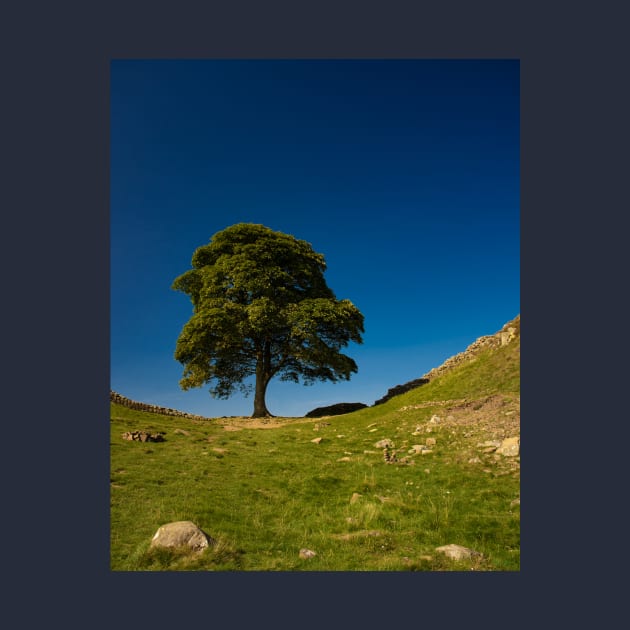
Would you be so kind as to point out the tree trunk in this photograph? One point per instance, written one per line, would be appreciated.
(263, 376)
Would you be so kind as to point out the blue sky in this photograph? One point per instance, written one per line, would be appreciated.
(403, 173)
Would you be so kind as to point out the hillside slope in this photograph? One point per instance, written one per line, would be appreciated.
(509, 335)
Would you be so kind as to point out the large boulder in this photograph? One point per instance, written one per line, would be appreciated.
(457, 552)
(181, 534)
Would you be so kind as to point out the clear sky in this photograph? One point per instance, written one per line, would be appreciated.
(403, 173)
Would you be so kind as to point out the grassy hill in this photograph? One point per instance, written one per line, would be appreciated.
(264, 490)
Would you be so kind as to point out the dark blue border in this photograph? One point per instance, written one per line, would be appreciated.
(57, 299)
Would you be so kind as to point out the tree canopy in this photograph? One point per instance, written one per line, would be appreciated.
(261, 307)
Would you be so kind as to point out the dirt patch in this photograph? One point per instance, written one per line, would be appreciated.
(237, 424)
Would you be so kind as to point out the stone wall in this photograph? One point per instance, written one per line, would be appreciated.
(132, 404)
(401, 389)
(509, 332)
(335, 410)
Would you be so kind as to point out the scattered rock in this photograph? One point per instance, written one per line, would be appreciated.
(181, 534)
(361, 534)
(307, 553)
(457, 552)
(490, 443)
(343, 459)
(510, 447)
(515, 502)
(474, 460)
(143, 436)
(434, 419)
(317, 440)
(355, 497)
(182, 431)
(321, 425)
(384, 444)
(430, 441)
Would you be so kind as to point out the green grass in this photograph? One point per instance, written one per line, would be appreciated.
(263, 494)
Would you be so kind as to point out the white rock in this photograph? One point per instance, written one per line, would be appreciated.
(181, 534)
(457, 552)
(509, 447)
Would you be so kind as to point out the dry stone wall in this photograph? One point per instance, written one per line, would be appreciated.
(509, 332)
(132, 404)
(335, 410)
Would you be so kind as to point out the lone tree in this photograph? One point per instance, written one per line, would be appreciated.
(261, 307)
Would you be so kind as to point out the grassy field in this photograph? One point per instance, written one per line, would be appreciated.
(264, 493)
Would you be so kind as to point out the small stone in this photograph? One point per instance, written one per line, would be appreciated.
(307, 553)
(434, 419)
(361, 534)
(384, 444)
(430, 442)
(355, 497)
(317, 440)
(343, 459)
